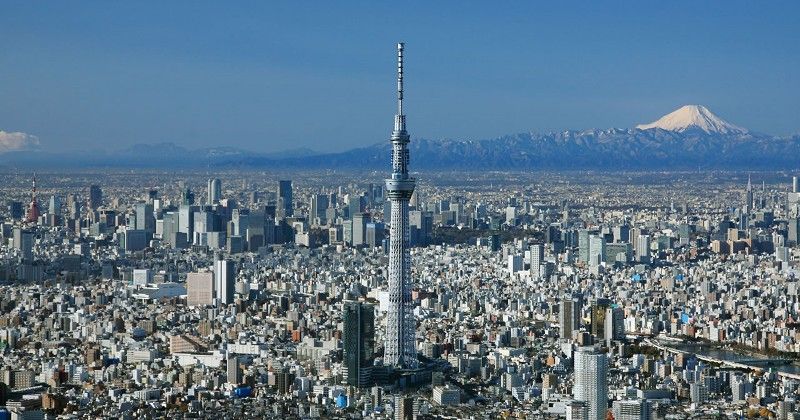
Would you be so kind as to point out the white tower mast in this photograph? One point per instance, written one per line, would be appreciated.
(400, 346)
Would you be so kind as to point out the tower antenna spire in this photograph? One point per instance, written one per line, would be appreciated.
(400, 118)
(400, 48)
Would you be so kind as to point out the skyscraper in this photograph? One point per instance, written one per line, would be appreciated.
(95, 196)
(319, 205)
(615, 324)
(234, 373)
(187, 197)
(597, 250)
(359, 343)
(569, 318)
(591, 369)
(145, 219)
(643, 249)
(360, 221)
(55, 205)
(224, 280)
(214, 191)
(15, 209)
(583, 245)
(186, 220)
(400, 346)
(537, 259)
(285, 204)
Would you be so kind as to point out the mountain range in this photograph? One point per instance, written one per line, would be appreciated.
(691, 137)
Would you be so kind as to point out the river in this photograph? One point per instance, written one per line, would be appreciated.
(731, 356)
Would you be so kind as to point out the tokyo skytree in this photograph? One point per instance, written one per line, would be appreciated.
(400, 346)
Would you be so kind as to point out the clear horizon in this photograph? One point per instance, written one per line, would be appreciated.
(269, 78)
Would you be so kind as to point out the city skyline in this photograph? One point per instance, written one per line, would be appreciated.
(246, 77)
(643, 273)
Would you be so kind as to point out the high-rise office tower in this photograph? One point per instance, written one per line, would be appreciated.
(643, 249)
(214, 191)
(224, 280)
(615, 324)
(583, 245)
(537, 259)
(569, 318)
(234, 373)
(23, 241)
(95, 196)
(145, 219)
(187, 197)
(400, 346)
(597, 250)
(355, 205)
(285, 203)
(421, 227)
(319, 206)
(591, 369)
(597, 314)
(55, 205)
(793, 236)
(360, 221)
(375, 234)
(186, 220)
(73, 206)
(359, 343)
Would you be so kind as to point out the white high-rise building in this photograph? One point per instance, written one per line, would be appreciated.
(214, 191)
(224, 281)
(537, 259)
(400, 346)
(643, 249)
(591, 371)
(597, 250)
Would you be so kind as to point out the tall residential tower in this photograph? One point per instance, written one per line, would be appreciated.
(400, 346)
(591, 371)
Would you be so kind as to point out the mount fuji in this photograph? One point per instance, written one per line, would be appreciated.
(693, 117)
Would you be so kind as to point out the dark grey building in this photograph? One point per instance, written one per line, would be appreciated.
(359, 343)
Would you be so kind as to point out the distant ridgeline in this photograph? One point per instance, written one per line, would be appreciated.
(689, 138)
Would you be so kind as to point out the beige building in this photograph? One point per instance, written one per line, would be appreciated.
(199, 289)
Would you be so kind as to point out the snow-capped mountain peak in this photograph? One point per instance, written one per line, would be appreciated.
(693, 117)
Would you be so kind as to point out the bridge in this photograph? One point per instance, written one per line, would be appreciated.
(757, 365)
(766, 362)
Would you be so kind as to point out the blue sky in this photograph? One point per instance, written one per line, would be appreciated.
(273, 76)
